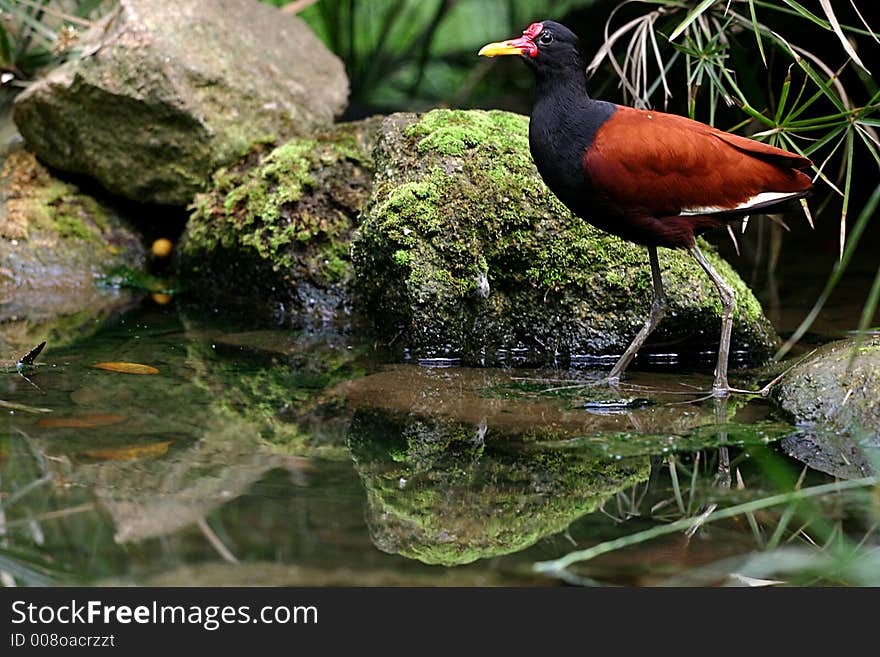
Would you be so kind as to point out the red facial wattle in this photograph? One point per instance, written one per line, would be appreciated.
(526, 43)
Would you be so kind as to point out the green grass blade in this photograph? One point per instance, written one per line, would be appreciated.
(698, 11)
(676, 489)
(556, 565)
(847, 188)
(781, 526)
(47, 35)
(773, 5)
(6, 54)
(869, 143)
(30, 568)
(824, 86)
(783, 96)
(837, 272)
(867, 315)
(806, 13)
(757, 32)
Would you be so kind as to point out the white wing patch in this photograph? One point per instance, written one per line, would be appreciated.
(764, 198)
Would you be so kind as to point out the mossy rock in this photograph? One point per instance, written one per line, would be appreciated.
(449, 493)
(55, 243)
(164, 93)
(463, 252)
(834, 392)
(273, 239)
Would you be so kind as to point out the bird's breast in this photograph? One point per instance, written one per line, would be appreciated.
(560, 134)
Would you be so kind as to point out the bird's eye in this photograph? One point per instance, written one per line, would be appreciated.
(546, 38)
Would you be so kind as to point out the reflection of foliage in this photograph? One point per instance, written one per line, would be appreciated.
(35, 549)
(804, 535)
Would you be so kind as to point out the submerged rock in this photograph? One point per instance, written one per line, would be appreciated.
(450, 493)
(273, 239)
(463, 252)
(55, 242)
(165, 92)
(833, 394)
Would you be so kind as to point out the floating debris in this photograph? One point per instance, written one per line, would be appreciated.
(127, 368)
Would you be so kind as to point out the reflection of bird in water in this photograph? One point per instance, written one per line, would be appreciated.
(649, 177)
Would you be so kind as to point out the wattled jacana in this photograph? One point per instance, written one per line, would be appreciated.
(649, 177)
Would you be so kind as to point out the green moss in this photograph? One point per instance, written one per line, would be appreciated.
(401, 258)
(288, 216)
(72, 226)
(451, 132)
(411, 208)
(460, 205)
(284, 406)
(39, 203)
(438, 496)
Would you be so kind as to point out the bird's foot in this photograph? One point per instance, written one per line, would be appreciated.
(725, 390)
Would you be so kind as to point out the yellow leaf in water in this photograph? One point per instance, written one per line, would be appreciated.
(129, 452)
(127, 368)
(82, 421)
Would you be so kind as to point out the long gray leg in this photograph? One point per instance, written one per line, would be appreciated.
(658, 310)
(728, 302)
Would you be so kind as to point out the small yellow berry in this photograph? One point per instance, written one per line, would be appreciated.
(162, 247)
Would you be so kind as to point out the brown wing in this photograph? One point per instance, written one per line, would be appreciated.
(659, 164)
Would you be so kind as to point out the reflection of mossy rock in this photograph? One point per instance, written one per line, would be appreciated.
(282, 390)
(834, 396)
(274, 239)
(464, 250)
(450, 493)
(165, 92)
(55, 241)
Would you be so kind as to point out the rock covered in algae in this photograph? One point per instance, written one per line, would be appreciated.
(464, 252)
(55, 242)
(165, 92)
(447, 493)
(833, 394)
(274, 238)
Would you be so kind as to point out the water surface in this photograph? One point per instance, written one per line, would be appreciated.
(257, 455)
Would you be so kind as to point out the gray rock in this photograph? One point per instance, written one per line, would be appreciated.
(833, 394)
(463, 252)
(165, 92)
(55, 241)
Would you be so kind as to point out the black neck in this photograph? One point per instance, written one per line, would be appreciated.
(568, 85)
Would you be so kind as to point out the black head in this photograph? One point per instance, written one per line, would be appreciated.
(548, 46)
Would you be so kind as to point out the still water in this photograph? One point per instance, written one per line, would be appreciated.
(255, 456)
